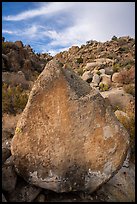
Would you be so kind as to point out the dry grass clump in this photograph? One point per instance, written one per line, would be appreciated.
(130, 89)
(127, 76)
(129, 124)
(14, 99)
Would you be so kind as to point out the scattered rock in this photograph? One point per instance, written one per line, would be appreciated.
(90, 66)
(87, 76)
(102, 71)
(96, 79)
(23, 192)
(3, 199)
(106, 79)
(75, 143)
(121, 188)
(19, 44)
(115, 77)
(5, 154)
(108, 70)
(9, 178)
(41, 198)
(119, 99)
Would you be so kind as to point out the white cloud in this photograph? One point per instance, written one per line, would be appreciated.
(54, 52)
(30, 32)
(82, 21)
(45, 9)
(9, 32)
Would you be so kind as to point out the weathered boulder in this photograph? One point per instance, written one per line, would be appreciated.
(106, 79)
(108, 70)
(102, 71)
(96, 79)
(67, 138)
(115, 77)
(119, 99)
(87, 76)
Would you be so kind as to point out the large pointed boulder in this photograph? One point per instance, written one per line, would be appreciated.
(67, 138)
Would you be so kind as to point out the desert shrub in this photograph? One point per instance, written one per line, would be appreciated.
(128, 63)
(14, 99)
(80, 71)
(6, 46)
(130, 89)
(115, 108)
(121, 41)
(35, 75)
(3, 39)
(79, 60)
(114, 38)
(90, 42)
(111, 55)
(116, 67)
(130, 127)
(103, 87)
(124, 49)
(98, 72)
(127, 76)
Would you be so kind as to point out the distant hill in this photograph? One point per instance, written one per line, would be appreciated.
(18, 57)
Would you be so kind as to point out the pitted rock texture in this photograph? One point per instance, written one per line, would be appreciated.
(67, 138)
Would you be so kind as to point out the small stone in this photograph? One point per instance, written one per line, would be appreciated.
(5, 154)
(9, 178)
(3, 198)
(23, 192)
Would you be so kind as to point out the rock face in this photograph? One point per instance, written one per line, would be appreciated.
(67, 138)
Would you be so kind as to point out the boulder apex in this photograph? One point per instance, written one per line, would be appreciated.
(67, 138)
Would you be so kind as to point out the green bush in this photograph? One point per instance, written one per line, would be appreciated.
(80, 60)
(80, 71)
(114, 38)
(124, 49)
(116, 67)
(98, 72)
(14, 99)
(128, 63)
(103, 87)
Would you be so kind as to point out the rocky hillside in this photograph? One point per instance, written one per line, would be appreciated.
(76, 108)
(18, 57)
(116, 54)
(20, 68)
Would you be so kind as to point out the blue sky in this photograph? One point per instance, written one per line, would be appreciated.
(55, 26)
